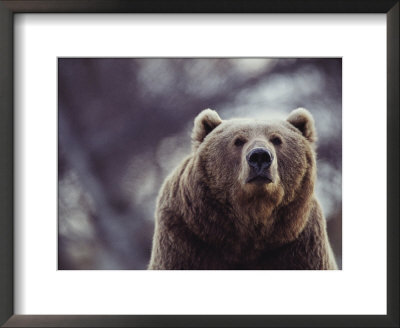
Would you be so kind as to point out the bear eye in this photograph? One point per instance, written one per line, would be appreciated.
(239, 142)
(276, 141)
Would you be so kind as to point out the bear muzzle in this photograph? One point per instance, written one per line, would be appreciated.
(259, 160)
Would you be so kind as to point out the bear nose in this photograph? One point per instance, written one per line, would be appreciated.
(259, 158)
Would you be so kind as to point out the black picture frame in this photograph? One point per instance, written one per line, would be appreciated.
(10, 7)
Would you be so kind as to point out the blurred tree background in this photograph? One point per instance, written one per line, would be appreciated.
(124, 124)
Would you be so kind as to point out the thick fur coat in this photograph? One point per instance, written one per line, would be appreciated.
(243, 199)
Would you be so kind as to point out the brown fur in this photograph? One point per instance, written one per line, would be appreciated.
(209, 217)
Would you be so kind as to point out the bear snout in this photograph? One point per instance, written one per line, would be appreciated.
(259, 160)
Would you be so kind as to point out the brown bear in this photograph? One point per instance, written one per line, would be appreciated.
(244, 199)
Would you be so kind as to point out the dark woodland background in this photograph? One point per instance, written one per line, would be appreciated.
(124, 124)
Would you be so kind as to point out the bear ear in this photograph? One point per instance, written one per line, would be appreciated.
(302, 120)
(204, 123)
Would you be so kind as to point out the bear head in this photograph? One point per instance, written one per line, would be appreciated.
(258, 175)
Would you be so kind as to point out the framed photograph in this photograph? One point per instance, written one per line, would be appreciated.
(209, 164)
